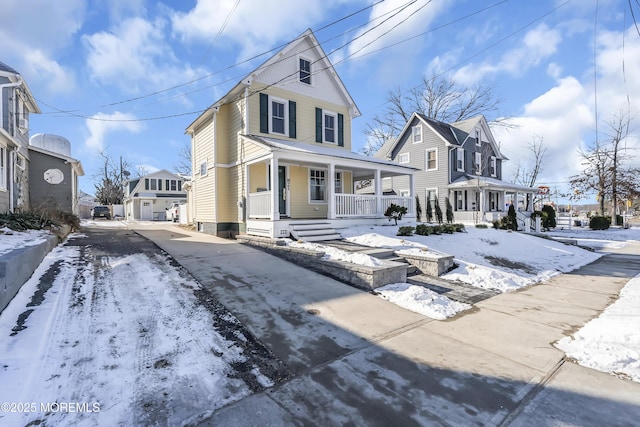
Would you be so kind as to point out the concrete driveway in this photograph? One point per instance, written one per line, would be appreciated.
(355, 359)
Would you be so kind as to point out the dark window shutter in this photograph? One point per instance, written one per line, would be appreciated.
(340, 130)
(318, 125)
(292, 119)
(264, 113)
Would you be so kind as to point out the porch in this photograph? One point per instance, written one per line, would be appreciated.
(296, 182)
(486, 200)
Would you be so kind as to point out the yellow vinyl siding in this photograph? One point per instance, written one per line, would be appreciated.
(222, 135)
(204, 194)
(227, 194)
(258, 177)
(305, 115)
(347, 182)
(253, 150)
(234, 119)
(300, 205)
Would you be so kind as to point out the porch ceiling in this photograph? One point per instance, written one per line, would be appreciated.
(487, 183)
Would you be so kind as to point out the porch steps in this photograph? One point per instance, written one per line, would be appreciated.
(314, 232)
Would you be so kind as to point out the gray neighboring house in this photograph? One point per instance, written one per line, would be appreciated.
(148, 197)
(460, 161)
(16, 104)
(53, 174)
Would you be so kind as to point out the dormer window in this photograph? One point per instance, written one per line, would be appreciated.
(305, 71)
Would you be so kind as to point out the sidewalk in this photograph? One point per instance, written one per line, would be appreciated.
(355, 358)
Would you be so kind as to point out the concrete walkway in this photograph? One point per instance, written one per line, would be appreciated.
(356, 359)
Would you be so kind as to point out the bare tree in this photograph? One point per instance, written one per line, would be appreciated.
(436, 97)
(109, 190)
(606, 171)
(527, 174)
(183, 166)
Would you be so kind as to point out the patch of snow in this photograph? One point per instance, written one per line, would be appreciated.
(103, 223)
(421, 300)
(611, 342)
(335, 254)
(10, 240)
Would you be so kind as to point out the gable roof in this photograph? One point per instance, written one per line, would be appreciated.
(454, 134)
(4, 67)
(326, 66)
(31, 101)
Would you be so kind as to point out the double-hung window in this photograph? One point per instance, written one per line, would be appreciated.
(416, 134)
(278, 116)
(432, 159)
(338, 183)
(478, 137)
(493, 166)
(330, 127)
(305, 71)
(203, 168)
(477, 160)
(317, 185)
(460, 159)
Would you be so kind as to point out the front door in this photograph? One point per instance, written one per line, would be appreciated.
(282, 191)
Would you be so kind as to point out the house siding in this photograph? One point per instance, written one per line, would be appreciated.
(417, 158)
(204, 187)
(305, 115)
(299, 205)
(44, 195)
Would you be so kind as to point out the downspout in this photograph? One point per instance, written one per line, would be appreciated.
(8, 85)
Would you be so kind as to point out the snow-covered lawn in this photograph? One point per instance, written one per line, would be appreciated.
(613, 238)
(486, 258)
(611, 342)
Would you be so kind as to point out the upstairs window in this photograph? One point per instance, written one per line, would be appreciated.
(278, 119)
(460, 159)
(493, 166)
(416, 133)
(477, 163)
(305, 71)
(432, 159)
(329, 127)
(478, 137)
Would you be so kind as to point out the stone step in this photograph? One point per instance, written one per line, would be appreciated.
(322, 237)
(311, 226)
(315, 232)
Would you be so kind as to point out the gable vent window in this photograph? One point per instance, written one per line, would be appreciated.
(305, 71)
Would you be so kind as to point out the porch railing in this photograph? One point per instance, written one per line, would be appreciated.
(354, 205)
(348, 205)
(260, 204)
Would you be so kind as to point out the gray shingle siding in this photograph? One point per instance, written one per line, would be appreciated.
(44, 194)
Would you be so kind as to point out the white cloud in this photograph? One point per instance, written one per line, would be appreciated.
(256, 26)
(403, 23)
(101, 124)
(58, 79)
(537, 45)
(32, 32)
(134, 56)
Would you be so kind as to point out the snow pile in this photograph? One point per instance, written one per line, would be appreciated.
(421, 300)
(335, 254)
(611, 342)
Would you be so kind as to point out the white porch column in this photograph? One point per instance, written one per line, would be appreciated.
(504, 201)
(481, 208)
(275, 211)
(378, 192)
(331, 202)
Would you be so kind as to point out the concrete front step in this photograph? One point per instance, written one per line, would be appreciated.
(457, 291)
(314, 232)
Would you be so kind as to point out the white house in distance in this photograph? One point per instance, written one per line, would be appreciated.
(148, 197)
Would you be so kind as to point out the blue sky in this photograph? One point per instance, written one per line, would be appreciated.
(110, 65)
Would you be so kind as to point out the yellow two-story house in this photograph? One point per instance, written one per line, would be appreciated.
(273, 156)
